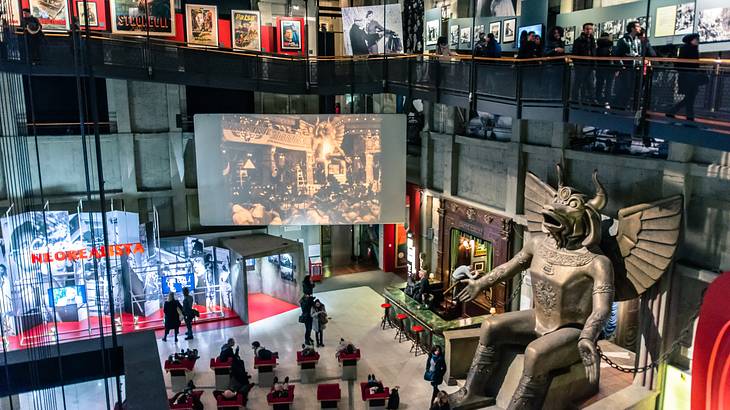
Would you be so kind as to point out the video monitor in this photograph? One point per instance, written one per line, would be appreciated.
(537, 28)
(300, 169)
(176, 283)
(66, 296)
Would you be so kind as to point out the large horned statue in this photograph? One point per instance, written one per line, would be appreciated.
(576, 275)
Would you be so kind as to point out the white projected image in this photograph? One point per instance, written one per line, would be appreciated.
(298, 170)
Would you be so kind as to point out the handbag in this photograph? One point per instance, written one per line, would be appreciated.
(428, 376)
(301, 318)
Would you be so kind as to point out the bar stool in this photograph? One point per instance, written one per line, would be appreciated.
(401, 334)
(386, 323)
(417, 346)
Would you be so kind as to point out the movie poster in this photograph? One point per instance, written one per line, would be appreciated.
(373, 29)
(11, 11)
(498, 8)
(93, 14)
(433, 31)
(478, 29)
(246, 30)
(685, 21)
(454, 35)
(131, 17)
(290, 34)
(202, 25)
(465, 40)
(714, 25)
(52, 14)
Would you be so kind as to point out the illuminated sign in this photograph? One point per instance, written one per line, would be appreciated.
(176, 283)
(93, 253)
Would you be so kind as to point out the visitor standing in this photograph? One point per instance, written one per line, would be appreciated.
(307, 285)
(494, 49)
(188, 313)
(605, 70)
(172, 310)
(480, 48)
(689, 80)
(306, 303)
(319, 322)
(441, 402)
(435, 369)
(227, 351)
(628, 46)
(555, 45)
(4, 36)
(584, 46)
(33, 31)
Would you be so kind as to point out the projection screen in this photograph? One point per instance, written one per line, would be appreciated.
(300, 169)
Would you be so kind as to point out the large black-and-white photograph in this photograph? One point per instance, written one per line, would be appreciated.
(714, 25)
(498, 8)
(685, 21)
(454, 35)
(478, 29)
(569, 35)
(373, 30)
(614, 28)
(465, 37)
(508, 30)
(433, 31)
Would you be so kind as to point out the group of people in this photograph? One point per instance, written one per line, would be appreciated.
(175, 313)
(314, 315)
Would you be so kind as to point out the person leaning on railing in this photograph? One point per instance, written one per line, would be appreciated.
(689, 79)
(555, 45)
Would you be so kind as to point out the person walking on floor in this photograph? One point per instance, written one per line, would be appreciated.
(188, 314)
(306, 303)
(319, 322)
(689, 80)
(435, 369)
(172, 310)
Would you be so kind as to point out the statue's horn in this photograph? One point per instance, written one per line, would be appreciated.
(598, 201)
(560, 175)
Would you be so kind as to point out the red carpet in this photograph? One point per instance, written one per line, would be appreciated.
(261, 306)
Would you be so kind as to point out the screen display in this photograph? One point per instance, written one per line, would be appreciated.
(70, 295)
(175, 283)
(537, 28)
(300, 169)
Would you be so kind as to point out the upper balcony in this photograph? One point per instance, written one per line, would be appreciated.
(631, 96)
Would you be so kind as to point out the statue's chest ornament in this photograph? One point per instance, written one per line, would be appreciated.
(555, 257)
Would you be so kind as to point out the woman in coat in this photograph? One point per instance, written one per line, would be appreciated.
(435, 369)
(689, 80)
(319, 322)
(172, 310)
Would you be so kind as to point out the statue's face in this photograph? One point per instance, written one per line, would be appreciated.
(565, 215)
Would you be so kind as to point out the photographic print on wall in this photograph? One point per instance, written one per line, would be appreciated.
(454, 35)
(665, 21)
(93, 15)
(495, 28)
(508, 30)
(614, 28)
(433, 31)
(131, 17)
(569, 35)
(465, 37)
(372, 30)
(714, 25)
(52, 14)
(478, 30)
(246, 30)
(685, 20)
(202, 24)
(498, 8)
(290, 34)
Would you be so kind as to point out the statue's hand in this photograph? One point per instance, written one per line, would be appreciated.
(471, 291)
(591, 360)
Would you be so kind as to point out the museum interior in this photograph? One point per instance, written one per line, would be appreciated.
(365, 204)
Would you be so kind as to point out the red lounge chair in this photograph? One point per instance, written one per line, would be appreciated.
(374, 399)
(223, 403)
(329, 395)
(280, 403)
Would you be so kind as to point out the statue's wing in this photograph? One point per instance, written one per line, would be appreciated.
(647, 239)
(537, 194)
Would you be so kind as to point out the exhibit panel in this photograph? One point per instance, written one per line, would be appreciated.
(373, 30)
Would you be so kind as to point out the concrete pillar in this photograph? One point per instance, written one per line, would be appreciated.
(451, 165)
(177, 182)
(118, 104)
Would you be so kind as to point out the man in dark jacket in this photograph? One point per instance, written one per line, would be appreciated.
(480, 48)
(584, 46)
(689, 80)
(306, 304)
(494, 49)
(188, 313)
(358, 38)
(628, 46)
(33, 31)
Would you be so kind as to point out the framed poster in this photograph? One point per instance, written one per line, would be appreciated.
(665, 21)
(714, 25)
(465, 39)
(454, 35)
(246, 30)
(478, 266)
(53, 15)
(93, 14)
(433, 31)
(202, 24)
(290, 34)
(508, 30)
(495, 28)
(498, 8)
(614, 28)
(479, 29)
(373, 30)
(569, 35)
(132, 17)
(684, 23)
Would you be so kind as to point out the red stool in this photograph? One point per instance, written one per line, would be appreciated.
(401, 334)
(386, 323)
(329, 395)
(417, 347)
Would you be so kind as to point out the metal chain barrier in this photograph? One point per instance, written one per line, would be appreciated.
(686, 331)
